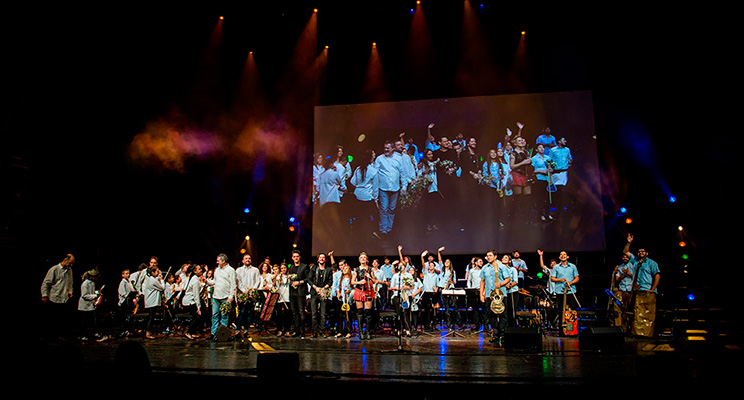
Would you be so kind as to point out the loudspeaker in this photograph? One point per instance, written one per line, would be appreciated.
(528, 337)
(278, 366)
(602, 338)
(223, 333)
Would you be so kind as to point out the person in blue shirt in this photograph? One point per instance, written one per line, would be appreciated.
(495, 276)
(646, 284)
(546, 139)
(622, 287)
(563, 158)
(565, 276)
(543, 174)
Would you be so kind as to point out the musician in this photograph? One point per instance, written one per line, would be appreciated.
(282, 311)
(495, 276)
(152, 289)
(646, 284)
(400, 287)
(512, 289)
(565, 275)
(344, 295)
(563, 158)
(415, 296)
(191, 301)
(127, 300)
(447, 281)
(248, 279)
(56, 290)
(87, 305)
(364, 293)
(320, 279)
(519, 162)
(387, 270)
(622, 286)
(298, 293)
(224, 283)
(550, 285)
(543, 174)
(431, 277)
(473, 282)
(521, 266)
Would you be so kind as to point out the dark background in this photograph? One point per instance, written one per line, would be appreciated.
(80, 83)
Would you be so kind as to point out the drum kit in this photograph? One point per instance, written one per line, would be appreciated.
(538, 309)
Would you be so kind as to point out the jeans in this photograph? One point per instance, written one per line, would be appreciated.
(218, 318)
(388, 201)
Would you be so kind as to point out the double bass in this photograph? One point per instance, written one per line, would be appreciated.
(569, 325)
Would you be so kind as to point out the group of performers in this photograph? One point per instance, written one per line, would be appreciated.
(522, 176)
(333, 298)
(634, 287)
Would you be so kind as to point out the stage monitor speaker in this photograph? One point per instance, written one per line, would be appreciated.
(278, 366)
(602, 338)
(223, 333)
(528, 337)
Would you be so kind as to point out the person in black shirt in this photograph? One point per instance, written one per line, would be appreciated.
(320, 279)
(298, 293)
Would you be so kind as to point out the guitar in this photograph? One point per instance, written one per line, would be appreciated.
(569, 324)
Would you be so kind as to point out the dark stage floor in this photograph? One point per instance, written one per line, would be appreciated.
(432, 365)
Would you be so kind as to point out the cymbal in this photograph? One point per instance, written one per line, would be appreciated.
(538, 287)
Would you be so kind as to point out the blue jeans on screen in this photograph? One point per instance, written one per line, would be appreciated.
(388, 201)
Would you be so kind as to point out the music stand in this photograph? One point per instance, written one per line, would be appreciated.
(267, 310)
(454, 293)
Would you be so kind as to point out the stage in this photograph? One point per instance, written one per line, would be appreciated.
(435, 364)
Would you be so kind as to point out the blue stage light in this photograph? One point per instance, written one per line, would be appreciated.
(291, 219)
(246, 210)
(672, 199)
(623, 210)
(691, 297)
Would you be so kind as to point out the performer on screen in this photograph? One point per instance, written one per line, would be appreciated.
(541, 162)
(391, 182)
(367, 191)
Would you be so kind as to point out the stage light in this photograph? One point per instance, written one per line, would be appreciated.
(242, 251)
(247, 238)
(221, 17)
(246, 210)
(315, 10)
(623, 210)
(691, 297)
(294, 245)
(685, 256)
(679, 228)
(523, 32)
(539, 275)
(374, 44)
(418, 2)
(291, 228)
(682, 244)
(672, 199)
(628, 221)
(291, 219)
(326, 47)
(413, 11)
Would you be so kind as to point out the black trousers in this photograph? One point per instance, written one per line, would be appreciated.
(297, 303)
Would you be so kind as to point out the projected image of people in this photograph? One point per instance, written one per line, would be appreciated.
(474, 173)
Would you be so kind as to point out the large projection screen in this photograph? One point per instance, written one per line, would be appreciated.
(474, 207)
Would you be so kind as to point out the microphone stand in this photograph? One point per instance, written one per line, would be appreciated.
(400, 349)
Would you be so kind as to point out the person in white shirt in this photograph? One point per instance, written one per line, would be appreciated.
(87, 305)
(366, 191)
(125, 304)
(152, 288)
(56, 290)
(391, 182)
(191, 300)
(248, 279)
(224, 284)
